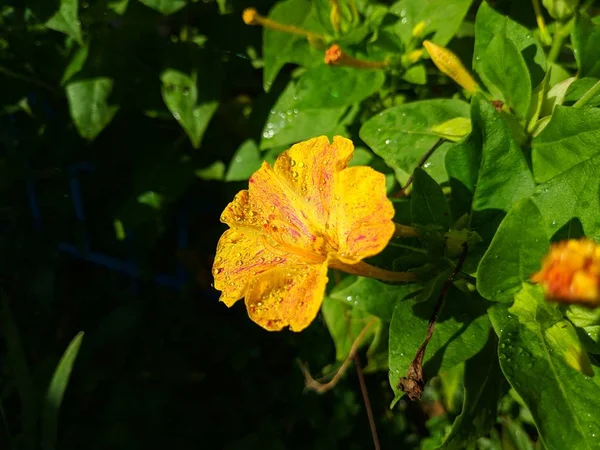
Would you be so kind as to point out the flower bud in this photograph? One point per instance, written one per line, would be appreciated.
(449, 64)
(570, 272)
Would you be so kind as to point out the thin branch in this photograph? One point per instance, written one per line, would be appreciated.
(414, 381)
(365, 394)
(321, 388)
(422, 161)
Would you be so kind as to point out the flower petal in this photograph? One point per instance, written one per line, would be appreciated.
(363, 215)
(241, 256)
(309, 168)
(288, 295)
(269, 207)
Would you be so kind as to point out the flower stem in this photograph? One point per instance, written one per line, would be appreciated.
(366, 270)
(335, 56)
(595, 89)
(557, 43)
(405, 231)
(252, 17)
(539, 17)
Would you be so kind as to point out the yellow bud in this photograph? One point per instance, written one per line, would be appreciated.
(449, 64)
(334, 16)
(418, 29)
(414, 56)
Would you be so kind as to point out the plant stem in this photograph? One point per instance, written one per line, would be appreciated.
(422, 161)
(539, 17)
(595, 89)
(559, 38)
(366, 270)
(405, 231)
(27, 79)
(365, 394)
(414, 382)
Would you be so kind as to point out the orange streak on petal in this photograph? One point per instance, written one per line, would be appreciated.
(290, 295)
(241, 256)
(309, 169)
(364, 214)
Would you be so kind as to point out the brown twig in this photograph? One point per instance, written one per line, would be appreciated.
(414, 381)
(422, 161)
(365, 394)
(321, 388)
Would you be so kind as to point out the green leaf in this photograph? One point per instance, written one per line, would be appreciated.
(191, 107)
(441, 17)
(215, 171)
(553, 98)
(428, 206)
(373, 296)
(452, 387)
(75, 64)
(403, 134)
(165, 7)
(484, 387)
(56, 391)
(345, 324)
(362, 157)
(88, 104)
(66, 20)
(489, 24)
(578, 87)
(487, 171)
(539, 351)
(332, 87)
(277, 45)
(585, 38)
(287, 123)
(587, 323)
(571, 137)
(504, 71)
(416, 74)
(118, 6)
(514, 254)
(461, 331)
(18, 367)
(454, 129)
(572, 198)
(246, 160)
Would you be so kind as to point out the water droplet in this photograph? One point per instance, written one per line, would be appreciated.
(176, 115)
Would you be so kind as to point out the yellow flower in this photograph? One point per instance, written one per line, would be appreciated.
(306, 213)
(570, 272)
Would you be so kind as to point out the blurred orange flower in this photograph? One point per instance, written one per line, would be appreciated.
(570, 272)
(306, 213)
